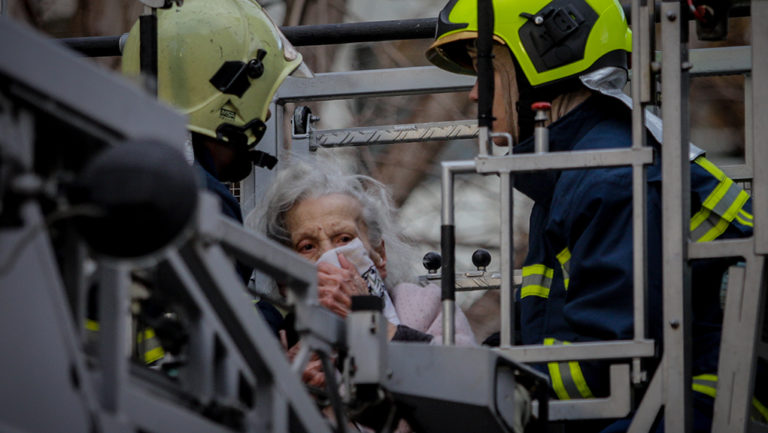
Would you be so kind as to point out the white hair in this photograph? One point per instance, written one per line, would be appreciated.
(301, 180)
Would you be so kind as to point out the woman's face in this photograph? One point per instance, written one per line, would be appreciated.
(505, 93)
(323, 223)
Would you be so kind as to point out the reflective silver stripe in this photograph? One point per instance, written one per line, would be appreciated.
(698, 380)
(720, 208)
(149, 344)
(537, 280)
(712, 221)
(728, 198)
(568, 380)
(568, 383)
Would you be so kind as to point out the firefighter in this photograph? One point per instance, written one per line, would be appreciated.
(578, 274)
(220, 63)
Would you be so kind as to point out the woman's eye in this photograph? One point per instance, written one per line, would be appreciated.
(345, 239)
(305, 247)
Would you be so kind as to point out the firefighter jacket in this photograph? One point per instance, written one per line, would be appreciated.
(578, 275)
(231, 208)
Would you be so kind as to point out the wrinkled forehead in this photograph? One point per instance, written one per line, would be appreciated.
(329, 209)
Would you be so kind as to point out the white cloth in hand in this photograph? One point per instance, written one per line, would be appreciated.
(356, 253)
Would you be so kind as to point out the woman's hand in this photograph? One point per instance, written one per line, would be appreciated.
(313, 374)
(336, 285)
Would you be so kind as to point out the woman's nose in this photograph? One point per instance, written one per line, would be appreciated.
(325, 245)
(473, 94)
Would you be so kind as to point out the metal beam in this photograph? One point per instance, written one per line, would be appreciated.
(721, 248)
(410, 133)
(649, 407)
(741, 334)
(565, 160)
(335, 33)
(759, 112)
(720, 60)
(369, 31)
(580, 351)
(375, 82)
(616, 405)
(675, 214)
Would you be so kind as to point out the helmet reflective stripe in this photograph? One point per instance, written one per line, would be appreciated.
(551, 40)
(224, 40)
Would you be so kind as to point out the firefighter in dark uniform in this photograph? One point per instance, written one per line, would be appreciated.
(578, 274)
(220, 62)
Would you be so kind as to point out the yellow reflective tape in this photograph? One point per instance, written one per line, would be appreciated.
(549, 341)
(537, 280)
(91, 325)
(579, 380)
(573, 370)
(711, 390)
(153, 355)
(153, 350)
(728, 216)
(533, 290)
(746, 215)
(557, 381)
(736, 206)
(554, 374)
(699, 218)
(760, 408)
(150, 355)
(538, 270)
(715, 231)
(717, 194)
(148, 333)
(708, 377)
(711, 168)
(704, 389)
(564, 257)
(725, 188)
(744, 221)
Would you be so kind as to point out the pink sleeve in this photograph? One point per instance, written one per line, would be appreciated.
(420, 308)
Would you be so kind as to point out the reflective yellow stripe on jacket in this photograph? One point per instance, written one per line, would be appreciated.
(567, 379)
(707, 385)
(564, 257)
(537, 280)
(150, 345)
(147, 340)
(724, 204)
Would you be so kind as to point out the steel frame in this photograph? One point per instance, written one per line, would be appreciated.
(231, 354)
(670, 387)
(102, 391)
(109, 399)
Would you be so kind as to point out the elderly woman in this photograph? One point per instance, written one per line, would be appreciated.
(345, 223)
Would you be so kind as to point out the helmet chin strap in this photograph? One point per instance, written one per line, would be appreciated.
(527, 96)
(240, 166)
(243, 161)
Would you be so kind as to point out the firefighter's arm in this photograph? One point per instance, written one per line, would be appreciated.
(597, 267)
